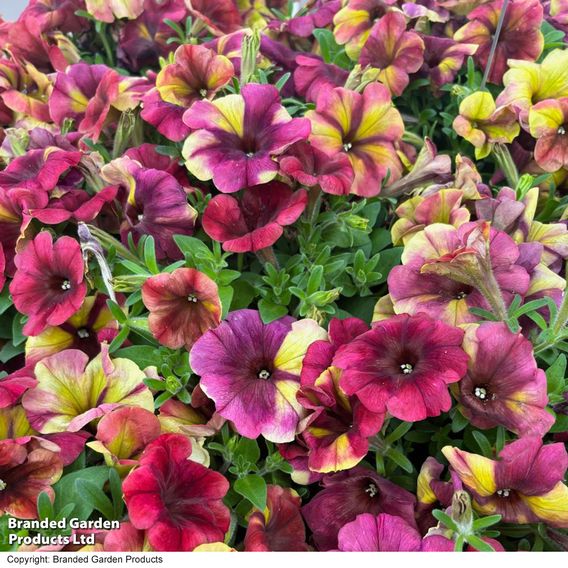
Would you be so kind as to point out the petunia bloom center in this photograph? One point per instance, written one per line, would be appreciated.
(2, 485)
(263, 374)
(406, 368)
(482, 393)
(192, 298)
(561, 130)
(347, 146)
(66, 285)
(82, 333)
(372, 490)
(504, 492)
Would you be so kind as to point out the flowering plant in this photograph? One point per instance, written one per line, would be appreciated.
(285, 276)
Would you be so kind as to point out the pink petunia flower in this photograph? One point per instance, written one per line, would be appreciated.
(177, 501)
(404, 366)
(236, 137)
(49, 284)
(257, 220)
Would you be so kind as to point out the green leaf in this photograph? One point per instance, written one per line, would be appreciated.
(143, 355)
(119, 339)
(116, 491)
(315, 279)
(248, 449)
(444, 519)
(93, 494)
(226, 296)
(399, 432)
(270, 312)
(117, 312)
(327, 43)
(192, 247)
(555, 375)
(67, 492)
(483, 443)
(485, 522)
(479, 544)
(150, 255)
(44, 506)
(400, 459)
(253, 488)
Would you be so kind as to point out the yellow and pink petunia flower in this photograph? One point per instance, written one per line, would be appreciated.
(252, 372)
(72, 392)
(366, 127)
(548, 121)
(503, 385)
(520, 36)
(524, 484)
(111, 10)
(395, 51)
(236, 138)
(482, 124)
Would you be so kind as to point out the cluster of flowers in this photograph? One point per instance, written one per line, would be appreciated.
(254, 293)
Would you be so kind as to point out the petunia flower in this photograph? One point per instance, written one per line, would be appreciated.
(403, 365)
(520, 36)
(39, 170)
(503, 385)
(196, 73)
(279, 528)
(548, 121)
(366, 127)
(348, 494)
(72, 392)
(251, 370)
(28, 467)
(313, 76)
(442, 275)
(111, 10)
(123, 434)
(183, 305)
(179, 503)
(395, 51)
(381, 533)
(14, 385)
(354, 21)
(84, 330)
(482, 124)
(49, 284)
(257, 220)
(443, 58)
(444, 206)
(527, 83)
(156, 204)
(220, 17)
(336, 431)
(524, 485)
(236, 137)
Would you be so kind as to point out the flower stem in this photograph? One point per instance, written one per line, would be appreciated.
(413, 139)
(493, 50)
(314, 204)
(506, 164)
(266, 255)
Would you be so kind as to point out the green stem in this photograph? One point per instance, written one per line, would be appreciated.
(314, 205)
(413, 139)
(506, 164)
(106, 45)
(491, 57)
(561, 316)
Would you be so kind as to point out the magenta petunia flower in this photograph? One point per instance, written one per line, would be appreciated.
(196, 73)
(257, 220)
(524, 485)
(177, 501)
(39, 169)
(251, 370)
(279, 528)
(395, 51)
(236, 137)
(14, 385)
(313, 76)
(503, 385)
(403, 366)
(183, 305)
(49, 284)
(520, 37)
(311, 167)
(365, 127)
(351, 493)
(28, 467)
(381, 533)
(336, 431)
(220, 17)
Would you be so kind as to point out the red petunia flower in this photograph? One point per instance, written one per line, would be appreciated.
(178, 502)
(257, 220)
(49, 284)
(183, 305)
